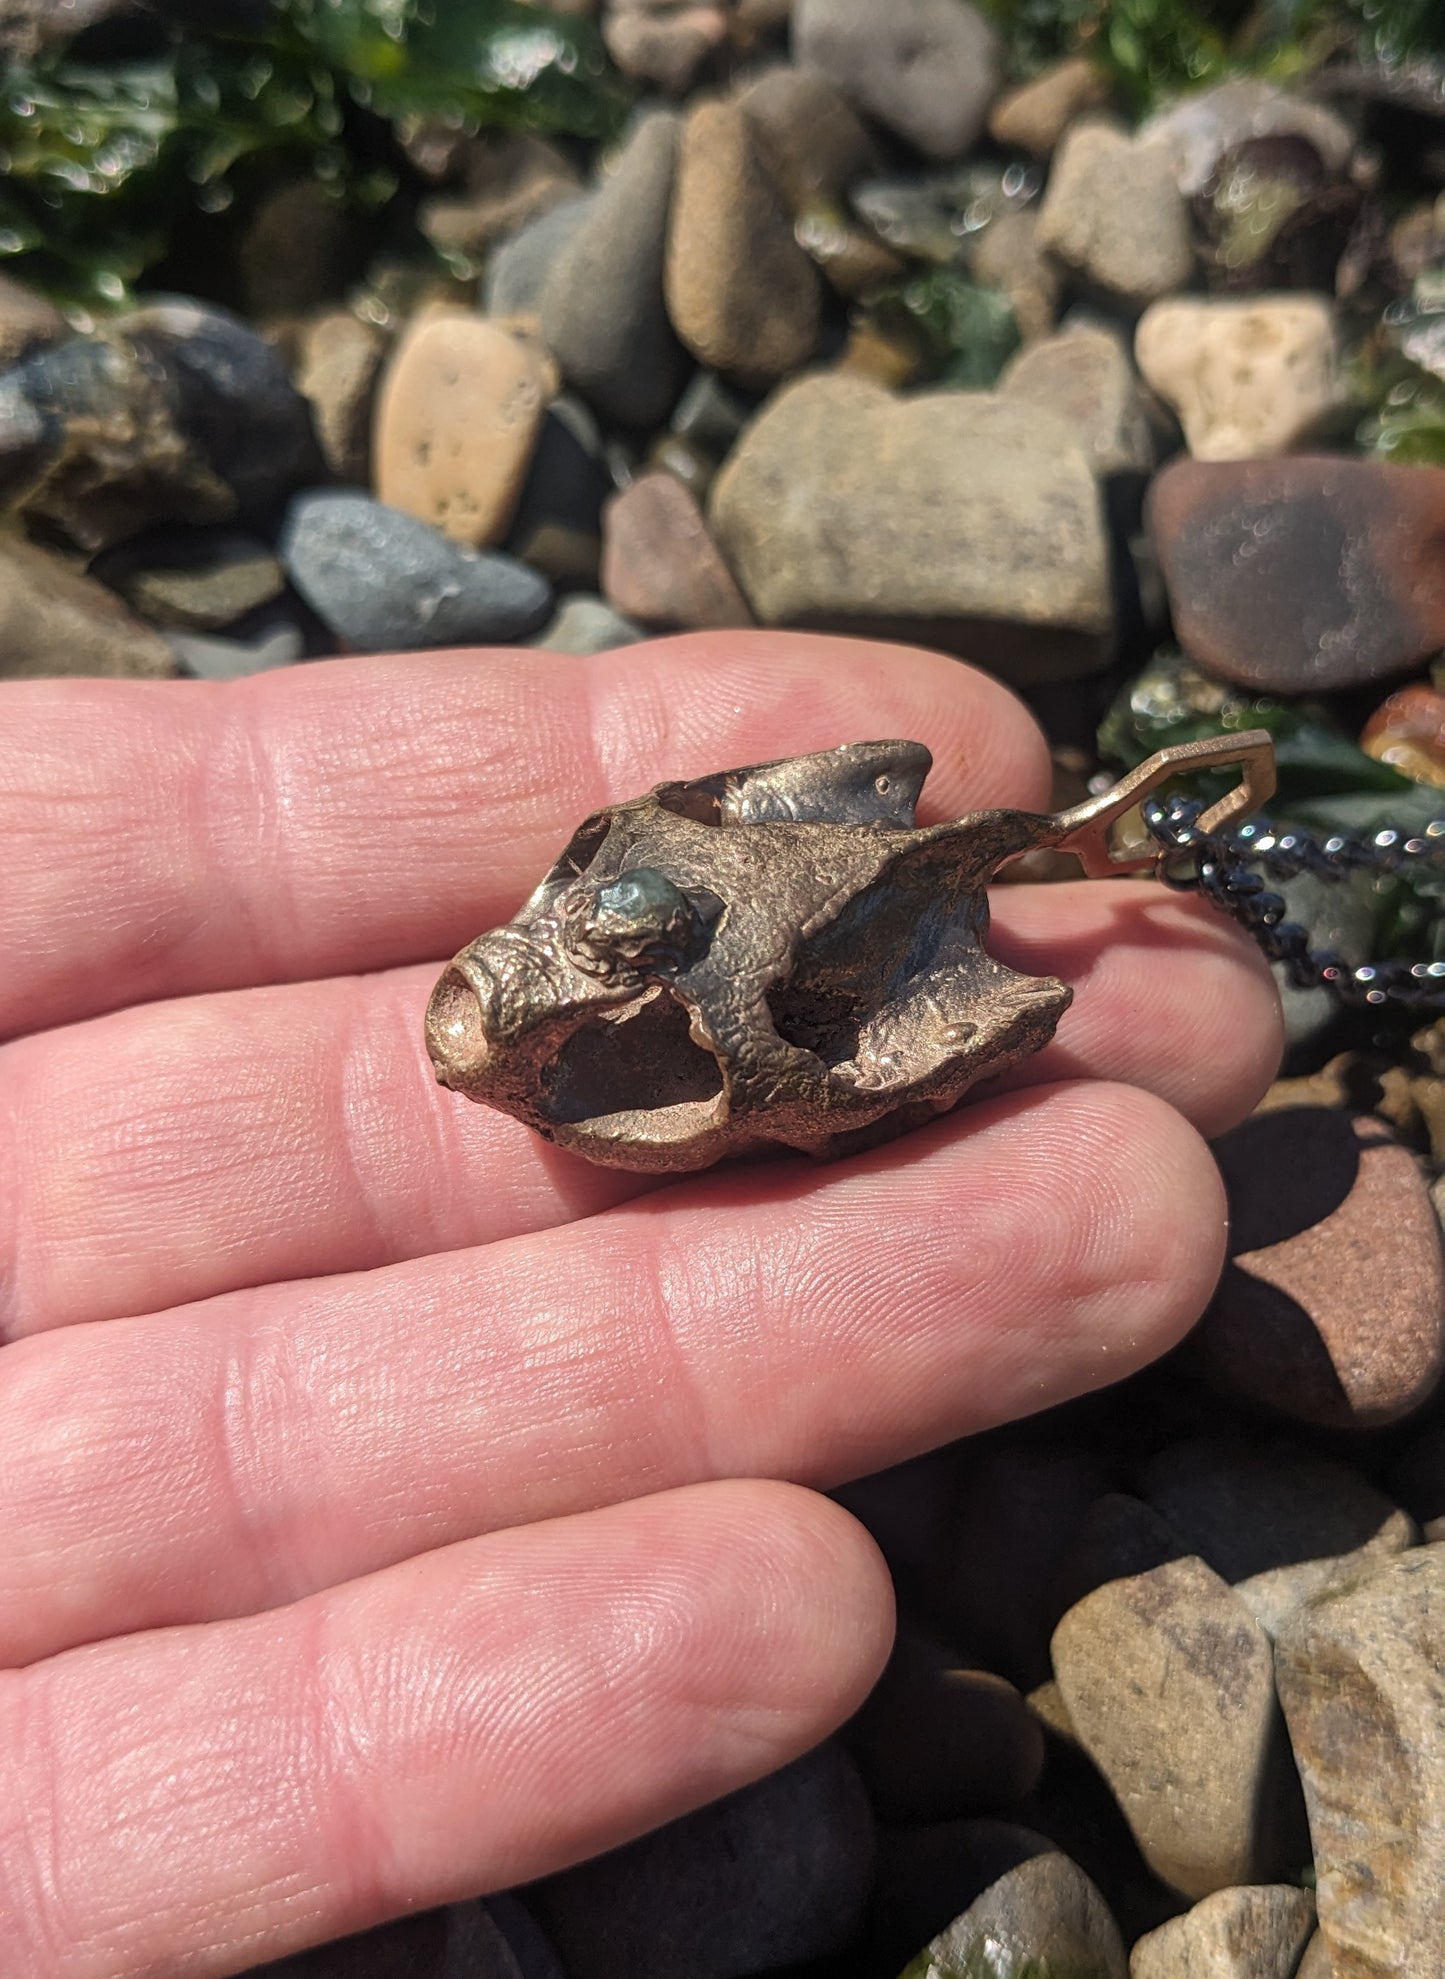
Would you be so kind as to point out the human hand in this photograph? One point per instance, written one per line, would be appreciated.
(379, 1524)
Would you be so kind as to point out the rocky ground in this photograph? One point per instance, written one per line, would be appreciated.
(993, 333)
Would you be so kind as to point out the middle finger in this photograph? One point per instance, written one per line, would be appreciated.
(194, 1465)
(177, 1151)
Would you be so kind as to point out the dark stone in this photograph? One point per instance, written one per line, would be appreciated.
(1274, 216)
(557, 528)
(382, 581)
(1303, 575)
(775, 1874)
(938, 1740)
(193, 580)
(175, 413)
(492, 1940)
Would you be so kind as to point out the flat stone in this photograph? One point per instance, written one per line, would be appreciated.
(926, 69)
(517, 268)
(1362, 1680)
(1257, 1933)
(1247, 378)
(1008, 255)
(457, 423)
(56, 620)
(742, 294)
(1035, 116)
(384, 582)
(937, 1740)
(1304, 575)
(1196, 132)
(664, 41)
(586, 625)
(660, 565)
(510, 179)
(1044, 1916)
(1332, 1307)
(601, 307)
(195, 580)
(953, 517)
(28, 321)
(1169, 1684)
(775, 1874)
(1086, 377)
(1279, 1523)
(814, 142)
(1114, 213)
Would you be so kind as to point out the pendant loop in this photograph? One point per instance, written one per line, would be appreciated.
(1087, 826)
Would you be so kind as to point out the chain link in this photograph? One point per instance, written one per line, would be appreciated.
(1221, 866)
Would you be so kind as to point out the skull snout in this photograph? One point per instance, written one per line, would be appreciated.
(456, 1029)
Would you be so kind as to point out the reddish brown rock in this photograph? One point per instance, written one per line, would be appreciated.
(1408, 733)
(1303, 575)
(1332, 1307)
(660, 565)
(1036, 114)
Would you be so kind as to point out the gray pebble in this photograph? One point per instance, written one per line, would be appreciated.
(517, 270)
(586, 625)
(383, 581)
(276, 641)
(602, 309)
(928, 69)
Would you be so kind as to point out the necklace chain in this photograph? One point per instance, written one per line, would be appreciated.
(1222, 866)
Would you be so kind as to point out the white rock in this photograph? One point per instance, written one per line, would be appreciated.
(1248, 377)
(1114, 213)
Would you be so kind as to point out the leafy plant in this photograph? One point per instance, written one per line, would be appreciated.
(101, 164)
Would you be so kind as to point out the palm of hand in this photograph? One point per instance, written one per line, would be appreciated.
(379, 1485)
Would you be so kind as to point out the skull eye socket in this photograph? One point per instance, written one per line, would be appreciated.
(639, 921)
(644, 1064)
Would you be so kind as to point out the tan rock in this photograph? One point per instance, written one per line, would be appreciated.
(742, 294)
(1044, 1916)
(1256, 1933)
(1316, 1962)
(340, 367)
(461, 410)
(1035, 116)
(1009, 256)
(958, 517)
(1113, 212)
(1362, 1681)
(56, 620)
(1086, 376)
(660, 565)
(1248, 378)
(1169, 1684)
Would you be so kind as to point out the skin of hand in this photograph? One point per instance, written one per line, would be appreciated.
(397, 1509)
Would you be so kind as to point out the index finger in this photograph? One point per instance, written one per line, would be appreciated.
(165, 838)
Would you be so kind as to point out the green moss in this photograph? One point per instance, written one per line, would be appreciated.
(961, 333)
(987, 1962)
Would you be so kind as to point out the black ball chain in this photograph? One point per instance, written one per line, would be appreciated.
(1220, 865)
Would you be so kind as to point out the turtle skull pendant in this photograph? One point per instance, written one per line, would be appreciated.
(768, 959)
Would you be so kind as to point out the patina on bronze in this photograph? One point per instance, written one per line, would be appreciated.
(772, 958)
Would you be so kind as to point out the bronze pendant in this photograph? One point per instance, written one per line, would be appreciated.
(773, 958)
